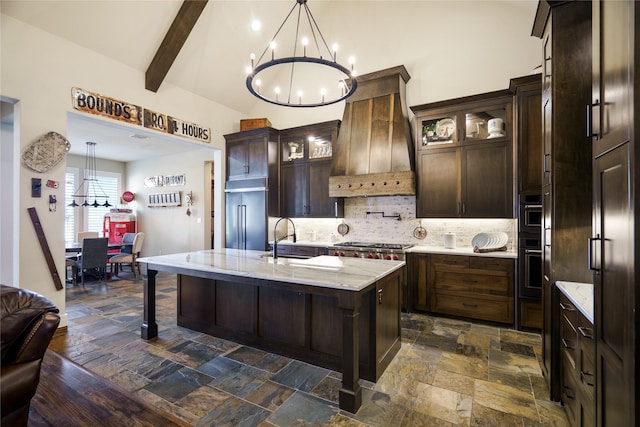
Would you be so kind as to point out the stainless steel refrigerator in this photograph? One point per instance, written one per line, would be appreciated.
(246, 214)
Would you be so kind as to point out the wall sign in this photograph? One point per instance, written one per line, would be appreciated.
(100, 105)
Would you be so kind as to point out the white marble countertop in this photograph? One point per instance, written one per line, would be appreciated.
(465, 250)
(351, 274)
(580, 294)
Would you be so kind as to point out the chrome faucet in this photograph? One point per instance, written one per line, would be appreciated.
(275, 238)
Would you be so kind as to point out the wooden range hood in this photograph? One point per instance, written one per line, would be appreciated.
(374, 155)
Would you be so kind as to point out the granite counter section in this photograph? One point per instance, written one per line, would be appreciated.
(580, 294)
(352, 274)
(468, 250)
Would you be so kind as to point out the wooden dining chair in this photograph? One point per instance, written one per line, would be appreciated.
(128, 258)
(94, 256)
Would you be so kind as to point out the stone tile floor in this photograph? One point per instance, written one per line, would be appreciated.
(448, 372)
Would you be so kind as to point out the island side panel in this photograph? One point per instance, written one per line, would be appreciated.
(350, 393)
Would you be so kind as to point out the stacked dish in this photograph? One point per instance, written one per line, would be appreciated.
(487, 242)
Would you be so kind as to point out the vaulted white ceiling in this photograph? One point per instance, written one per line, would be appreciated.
(381, 34)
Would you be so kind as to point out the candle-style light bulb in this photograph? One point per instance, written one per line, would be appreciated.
(299, 97)
(342, 87)
(259, 84)
(335, 51)
(248, 69)
(253, 58)
(277, 91)
(352, 61)
(273, 49)
(323, 92)
(305, 42)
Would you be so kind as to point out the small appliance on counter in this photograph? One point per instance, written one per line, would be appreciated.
(450, 240)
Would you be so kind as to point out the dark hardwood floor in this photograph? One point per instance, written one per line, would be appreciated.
(68, 395)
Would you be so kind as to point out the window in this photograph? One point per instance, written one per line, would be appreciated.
(69, 212)
(95, 216)
(88, 218)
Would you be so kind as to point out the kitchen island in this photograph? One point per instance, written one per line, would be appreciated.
(341, 314)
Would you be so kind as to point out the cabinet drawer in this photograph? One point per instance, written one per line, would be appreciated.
(450, 261)
(494, 264)
(471, 283)
(494, 310)
(568, 340)
(587, 351)
(568, 310)
(569, 392)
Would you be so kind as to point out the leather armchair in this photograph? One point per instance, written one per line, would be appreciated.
(27, 324)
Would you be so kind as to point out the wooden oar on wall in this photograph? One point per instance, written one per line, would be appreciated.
(45, 248)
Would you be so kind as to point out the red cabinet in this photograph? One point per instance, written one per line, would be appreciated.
(116, 224)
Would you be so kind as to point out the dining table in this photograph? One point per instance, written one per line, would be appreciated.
(76, 247)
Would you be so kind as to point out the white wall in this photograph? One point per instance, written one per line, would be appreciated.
(39, 70)
(170, 229)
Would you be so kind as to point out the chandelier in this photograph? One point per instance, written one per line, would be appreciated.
(310, 65)
(90, 187)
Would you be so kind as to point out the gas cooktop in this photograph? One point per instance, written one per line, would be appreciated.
(395, 246)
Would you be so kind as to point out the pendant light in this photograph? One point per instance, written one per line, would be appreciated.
(90, 187)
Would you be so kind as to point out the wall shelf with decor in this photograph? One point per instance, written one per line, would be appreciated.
(162, 200)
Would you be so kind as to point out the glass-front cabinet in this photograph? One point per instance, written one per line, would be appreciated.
(302, 147)
(464, 163)
(305, 166)
(475, 124)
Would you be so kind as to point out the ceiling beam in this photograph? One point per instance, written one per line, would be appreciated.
(173, 41)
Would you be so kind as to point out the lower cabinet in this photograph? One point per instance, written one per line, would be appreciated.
(297, 321)
(577, 364)
(530, 314)
(474, 287)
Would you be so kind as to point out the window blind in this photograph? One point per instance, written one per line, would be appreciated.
(95, 216)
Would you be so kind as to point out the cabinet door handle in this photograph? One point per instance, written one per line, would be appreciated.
(587, 378)
(568, 392)
(593, 119)
(586, 332)
(464, 208)
(567, 344)
(380, 296)
(458, 209)
(466, 304)
(594, 265)
(246, 168)
(545, 167)
(567, 307)
(469, 281)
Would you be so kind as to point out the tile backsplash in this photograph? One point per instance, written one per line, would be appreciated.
(364, 216)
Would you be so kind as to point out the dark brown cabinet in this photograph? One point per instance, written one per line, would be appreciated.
(464, 165)
(527, 103)
(300, 321)
(528, 132)
(305, 166)
(577, 364)
(565, 31)
(615, 247)
(252, 153)
(418, 279)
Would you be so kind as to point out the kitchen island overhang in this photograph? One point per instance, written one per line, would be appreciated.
(341, 314)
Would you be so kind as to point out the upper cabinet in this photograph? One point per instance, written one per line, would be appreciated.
(528, 132)
(252, 154)
(305, 165)
(464, 157)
